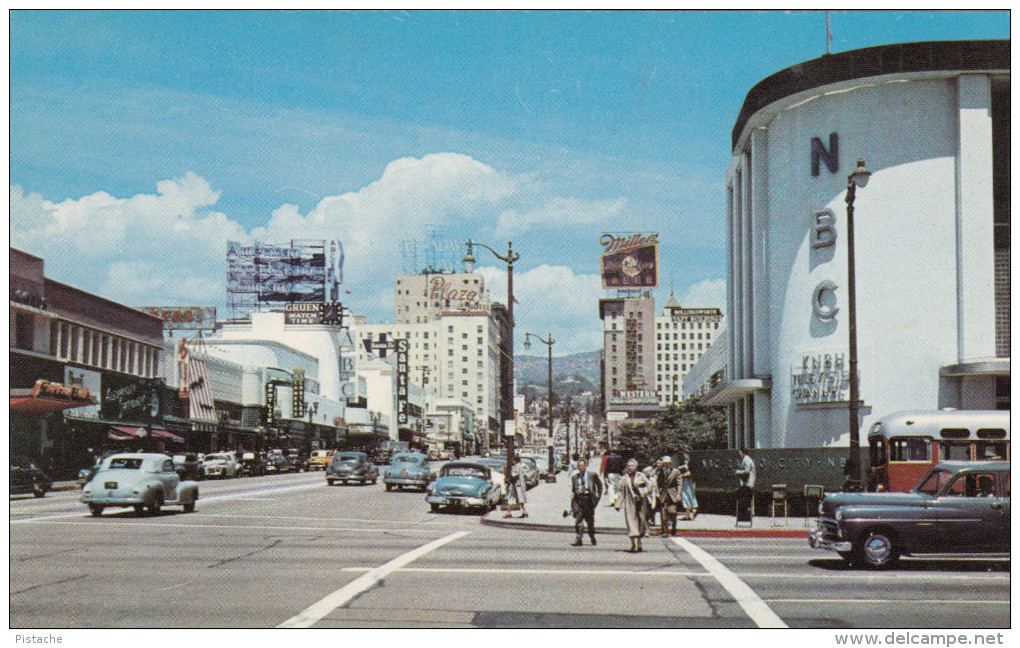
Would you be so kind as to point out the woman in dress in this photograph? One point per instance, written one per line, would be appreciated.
(631, 498)
(517, 491)
(689, 501)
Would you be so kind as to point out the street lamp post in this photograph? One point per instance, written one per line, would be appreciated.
(859, 178)
(549, 418)
(469, 265)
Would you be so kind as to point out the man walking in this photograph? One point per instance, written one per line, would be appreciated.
(586, 490)
(746, 474)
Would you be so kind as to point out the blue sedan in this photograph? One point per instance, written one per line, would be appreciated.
(406, 470)
(464, 484)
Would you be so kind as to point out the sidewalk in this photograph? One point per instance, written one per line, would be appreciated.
(547, 501)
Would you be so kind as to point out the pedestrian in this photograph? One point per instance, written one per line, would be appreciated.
(687, 498)
(517, 491)
(586, 490)
(652, 498)
(746, 474)
(614, 469)
(633, 488)
(573, 462)
(669, 495)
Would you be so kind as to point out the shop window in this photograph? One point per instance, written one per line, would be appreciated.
(23, 330)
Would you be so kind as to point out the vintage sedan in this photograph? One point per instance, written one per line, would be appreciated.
(26, 477)
(466, 484)
(351, 467)
(143, 480)
(220, 464)
(958, 507)
(319, 459)
(407, 469)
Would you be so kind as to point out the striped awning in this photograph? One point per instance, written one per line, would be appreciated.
(125, 433)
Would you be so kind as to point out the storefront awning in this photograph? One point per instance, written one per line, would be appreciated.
(979, 367)
(127, 433)
(23, 402)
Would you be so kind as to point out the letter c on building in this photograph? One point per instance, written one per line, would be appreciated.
(824, 309)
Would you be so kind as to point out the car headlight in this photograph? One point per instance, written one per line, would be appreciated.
(839, 515)
(821, 509)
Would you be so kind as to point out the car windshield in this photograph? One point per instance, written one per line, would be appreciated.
(215, 457)
(464, 471)
(126, 463)
(935, 480)
(347, 459)
(411, 459)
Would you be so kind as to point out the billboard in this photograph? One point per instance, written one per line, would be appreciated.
(183, 318)
(328, 313)
(630, 260)
(263, 274)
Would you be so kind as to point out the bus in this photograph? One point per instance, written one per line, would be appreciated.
(905, 445)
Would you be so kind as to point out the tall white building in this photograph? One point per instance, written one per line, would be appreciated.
(931, 240)
(682, 335)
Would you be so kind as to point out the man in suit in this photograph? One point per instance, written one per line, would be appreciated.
(586, 490)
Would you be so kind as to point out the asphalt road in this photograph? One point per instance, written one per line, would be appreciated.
(289, 550)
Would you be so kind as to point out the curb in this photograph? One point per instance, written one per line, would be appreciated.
(690, 533)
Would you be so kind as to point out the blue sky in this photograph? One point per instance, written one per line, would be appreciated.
(141, 141)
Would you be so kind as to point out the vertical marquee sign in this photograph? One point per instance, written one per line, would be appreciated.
(402, 377)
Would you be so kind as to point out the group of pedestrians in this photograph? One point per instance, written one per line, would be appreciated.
(639, 494)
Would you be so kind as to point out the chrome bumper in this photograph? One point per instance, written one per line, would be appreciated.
(817, 541)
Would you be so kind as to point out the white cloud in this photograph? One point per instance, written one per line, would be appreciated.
(706, 294)
(560, 212)
(552, 300)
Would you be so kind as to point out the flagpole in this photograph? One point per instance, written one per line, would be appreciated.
(828, 33)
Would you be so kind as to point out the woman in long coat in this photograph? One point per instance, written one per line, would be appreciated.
(632, 492)
(517, 491)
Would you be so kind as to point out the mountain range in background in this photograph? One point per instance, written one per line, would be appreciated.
(572, 374)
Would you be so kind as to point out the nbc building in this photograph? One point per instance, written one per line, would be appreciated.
(931, 122)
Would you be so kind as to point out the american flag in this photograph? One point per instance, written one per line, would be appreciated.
(195, 384)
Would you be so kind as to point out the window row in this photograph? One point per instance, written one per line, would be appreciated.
(75, 343)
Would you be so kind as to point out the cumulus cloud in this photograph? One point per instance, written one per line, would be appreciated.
(552, 299)
(560, 212)
(706, 294)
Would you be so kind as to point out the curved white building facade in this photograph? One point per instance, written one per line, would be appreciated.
(931, 121)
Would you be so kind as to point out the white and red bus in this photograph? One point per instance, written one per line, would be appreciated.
(905, 445)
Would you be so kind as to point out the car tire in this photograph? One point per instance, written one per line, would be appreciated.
(329, 482)
(155, 505)
(189, 507)
(96, 509)
(39, 490)
(876, 549)
(389, 487)
(435, 508)
(139, 508)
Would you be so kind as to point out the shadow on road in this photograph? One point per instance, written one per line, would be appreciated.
(976, 565)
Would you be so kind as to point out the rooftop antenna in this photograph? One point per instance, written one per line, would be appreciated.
(828, 33)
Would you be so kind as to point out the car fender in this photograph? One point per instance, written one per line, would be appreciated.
(901, 520)
(187, 492)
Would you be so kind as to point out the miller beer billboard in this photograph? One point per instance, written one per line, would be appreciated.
(630, 260)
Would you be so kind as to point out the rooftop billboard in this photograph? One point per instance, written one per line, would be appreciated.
(630, 260)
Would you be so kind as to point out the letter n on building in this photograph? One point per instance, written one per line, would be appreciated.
(830, 156)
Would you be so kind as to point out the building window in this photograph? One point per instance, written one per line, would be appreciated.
(23, 330)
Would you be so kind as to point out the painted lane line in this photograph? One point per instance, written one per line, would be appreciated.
(760, 613)
(296, 517)
(342, 596)
(891, 601)
(260, 527)
(531, 572)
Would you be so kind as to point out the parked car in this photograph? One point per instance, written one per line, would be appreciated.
(277, 462)
(26, 477)
(143, 480)
(298, 460)
(189, 465)
(958, 507)
(351, 466)
(466, 484)
(530, 471)
(220, 464)
(319, 459)
(252, 463)
(408, 469)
